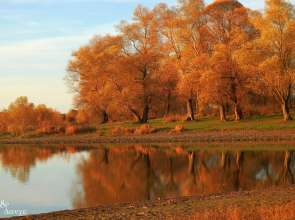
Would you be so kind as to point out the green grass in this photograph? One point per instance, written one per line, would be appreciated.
(258, 123)
(205, 124)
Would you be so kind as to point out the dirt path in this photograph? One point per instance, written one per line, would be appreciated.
(192, 137)
(273, 204)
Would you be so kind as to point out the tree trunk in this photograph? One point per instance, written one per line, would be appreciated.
(104, 117)
(222, 113)
(190, 110)
(145, 114)
(197, 109)
(135, 115)
(286, 111)
(238, 112)
(106, 156)
(168, 105)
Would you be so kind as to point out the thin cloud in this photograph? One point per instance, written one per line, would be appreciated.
(36, 68)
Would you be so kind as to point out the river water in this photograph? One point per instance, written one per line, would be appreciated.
(36, 179)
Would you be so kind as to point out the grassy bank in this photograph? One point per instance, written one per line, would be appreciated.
(269, 129)
(208, 124)
(273, 204)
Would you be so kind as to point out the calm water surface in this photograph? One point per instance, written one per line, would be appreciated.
(43, 179)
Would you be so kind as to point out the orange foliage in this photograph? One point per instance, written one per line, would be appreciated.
(178, 129)
(144, 129)
(194, 57)
(71, 130)
(122, 131)
(22, 116)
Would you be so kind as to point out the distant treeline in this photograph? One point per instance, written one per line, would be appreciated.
(190, 59)
(23, 116)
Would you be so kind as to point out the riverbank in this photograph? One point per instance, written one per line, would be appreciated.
(260, 129)
(271, 204)
(273, 136)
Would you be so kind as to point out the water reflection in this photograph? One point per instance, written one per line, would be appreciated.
(138, 173)
(19, 160)
(74, 177)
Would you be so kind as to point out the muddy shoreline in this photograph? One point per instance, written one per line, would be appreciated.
(274, 203)
(193, 137)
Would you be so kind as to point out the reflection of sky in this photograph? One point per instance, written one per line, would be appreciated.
(48, 187)
(38, 37)
(262, 175)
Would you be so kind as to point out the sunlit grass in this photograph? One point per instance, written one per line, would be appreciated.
(209, 124)
(160, 126)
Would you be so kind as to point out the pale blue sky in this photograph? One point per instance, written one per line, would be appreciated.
(38, 37)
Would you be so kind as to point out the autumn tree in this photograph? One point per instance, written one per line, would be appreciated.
(181, 31)
(4, 120)
(228, 28)
(216, 82)
(275, 51)
(215, 56)
(141, 47)
(91, 72)
(21, 116)
(47, 119)
(167, 78)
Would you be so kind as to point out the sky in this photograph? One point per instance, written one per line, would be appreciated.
(38, 37)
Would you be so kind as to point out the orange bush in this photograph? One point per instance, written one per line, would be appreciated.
(144, 129)
(178, 129)
(122, 131)
(116, 131)
(129, 130)
(71, 130)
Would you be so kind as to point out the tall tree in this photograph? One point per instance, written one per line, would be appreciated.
(275, 50)
(90, 73)
(228, 28)
(141, 45)
(181, 32)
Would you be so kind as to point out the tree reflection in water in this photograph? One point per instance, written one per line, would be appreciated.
(137, 173)
(19, 160)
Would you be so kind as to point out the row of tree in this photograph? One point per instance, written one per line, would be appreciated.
(192, 58)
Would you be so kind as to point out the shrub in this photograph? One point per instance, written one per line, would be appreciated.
(177, 129)
(117, 131)
(71, 130)
(122, 131)
(144, 129)
(179, 150)
(129, 130)
(74, 129)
